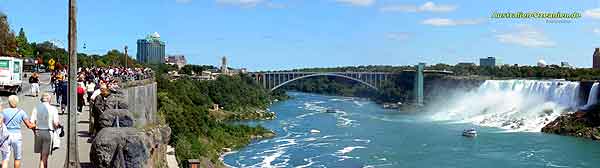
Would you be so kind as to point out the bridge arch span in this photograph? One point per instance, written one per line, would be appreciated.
(324, 74)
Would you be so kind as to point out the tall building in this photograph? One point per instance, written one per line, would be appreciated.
(489, 61)
(178, 60)
(596, 60)
(151, 50)
(224, 68)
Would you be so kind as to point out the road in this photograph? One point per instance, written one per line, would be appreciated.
(57, 159)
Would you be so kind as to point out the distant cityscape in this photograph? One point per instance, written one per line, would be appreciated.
(151, 50)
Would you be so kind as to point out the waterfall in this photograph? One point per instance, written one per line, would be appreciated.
(518, 105)
(593, 97)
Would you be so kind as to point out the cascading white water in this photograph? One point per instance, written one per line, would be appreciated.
(519, 105)
(593, 97)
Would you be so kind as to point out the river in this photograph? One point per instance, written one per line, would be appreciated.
(362, 134)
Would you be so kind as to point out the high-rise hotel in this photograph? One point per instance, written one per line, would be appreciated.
(596, 56)
(151, 50)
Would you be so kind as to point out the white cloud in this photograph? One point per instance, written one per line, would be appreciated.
(450, 22)
(426, 7)
(276, 5)
(183, 1)
(357, 2)
(241, 3)
(525, 35)
(592, 13)
(397, 36)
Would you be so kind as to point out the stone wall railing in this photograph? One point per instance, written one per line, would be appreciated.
(128, 133)
(141, 97)
(134, 83)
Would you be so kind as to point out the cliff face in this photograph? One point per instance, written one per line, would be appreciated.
(584, 123)
(579, 124)
(438, 87)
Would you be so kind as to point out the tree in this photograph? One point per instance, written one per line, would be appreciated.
(197, 69)
(23, 47)
(8, 43)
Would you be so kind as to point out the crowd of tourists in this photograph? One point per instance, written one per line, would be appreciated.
(89, 81)
(94, 87)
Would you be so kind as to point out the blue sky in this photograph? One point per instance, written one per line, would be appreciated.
(286, 34)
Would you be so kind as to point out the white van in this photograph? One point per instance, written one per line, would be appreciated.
(11, 71)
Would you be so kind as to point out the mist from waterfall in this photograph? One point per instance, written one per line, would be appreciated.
(515, 105)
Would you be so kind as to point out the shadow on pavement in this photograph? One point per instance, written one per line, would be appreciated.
(86, 165)
(83, 133)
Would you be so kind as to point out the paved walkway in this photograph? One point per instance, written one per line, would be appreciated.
(57, 159)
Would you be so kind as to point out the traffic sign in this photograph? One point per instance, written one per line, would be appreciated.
(51, 62)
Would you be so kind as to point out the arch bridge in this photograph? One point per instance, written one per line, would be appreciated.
(275, 80)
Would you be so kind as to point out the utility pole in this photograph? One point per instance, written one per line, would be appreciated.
(72, 152)
(126, 56)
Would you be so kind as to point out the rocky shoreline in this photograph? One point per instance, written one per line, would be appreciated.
(229, 150)
(578, 124)
(255, 115)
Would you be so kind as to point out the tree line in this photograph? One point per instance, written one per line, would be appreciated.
(198, 131)
(19, 46)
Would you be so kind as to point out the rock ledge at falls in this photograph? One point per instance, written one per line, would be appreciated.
(579, 124)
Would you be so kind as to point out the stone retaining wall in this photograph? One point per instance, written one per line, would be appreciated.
(143, 104)
(129, 133)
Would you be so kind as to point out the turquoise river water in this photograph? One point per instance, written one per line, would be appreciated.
(362, 134)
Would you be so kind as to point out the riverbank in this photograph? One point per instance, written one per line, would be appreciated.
(578, 124)
(200, 115)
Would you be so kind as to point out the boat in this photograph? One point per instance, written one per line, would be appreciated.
(470, 132)
(331, 111)
(314, 131)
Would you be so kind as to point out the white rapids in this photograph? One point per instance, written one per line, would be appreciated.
(516, 105)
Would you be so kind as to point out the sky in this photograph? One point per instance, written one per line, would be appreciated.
(289, 34)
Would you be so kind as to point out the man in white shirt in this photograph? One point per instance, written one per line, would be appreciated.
(46, 119)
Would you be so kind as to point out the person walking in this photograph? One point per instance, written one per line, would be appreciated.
(4, 147)
(90, 88)
(53, 81)
(80, 99)
(35, 84)
(46, 119)
(58, 89)
(64, 95)
(13, 117)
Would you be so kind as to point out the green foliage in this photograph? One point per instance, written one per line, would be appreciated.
(8, 42)
(196, 133)
(162, 69)
(23, 47)
(48, 50)
(111, 58)
(189, 69)
(396, 89)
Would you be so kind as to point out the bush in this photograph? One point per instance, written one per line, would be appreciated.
(196, 133)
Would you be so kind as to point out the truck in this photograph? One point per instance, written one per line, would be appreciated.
(11, 72)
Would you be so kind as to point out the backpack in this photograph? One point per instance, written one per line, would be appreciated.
(80, 90)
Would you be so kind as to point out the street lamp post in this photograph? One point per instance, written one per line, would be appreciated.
(126, 56)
